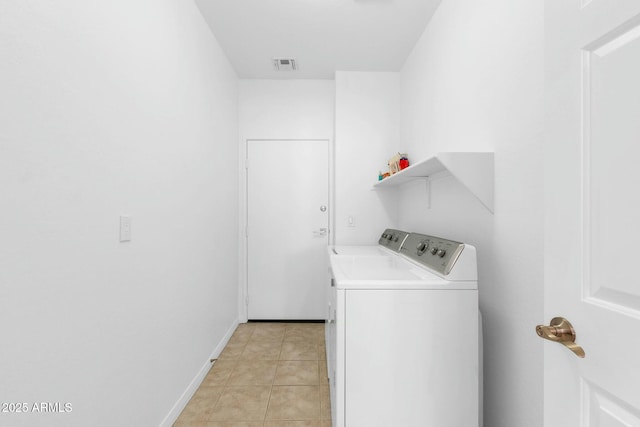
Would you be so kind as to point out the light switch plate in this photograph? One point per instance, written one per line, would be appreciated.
(125, 228)
(351, 221)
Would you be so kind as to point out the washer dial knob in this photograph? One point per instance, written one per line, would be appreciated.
(441, 253)
(434, 250)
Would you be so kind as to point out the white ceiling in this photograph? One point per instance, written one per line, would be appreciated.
(323, 35)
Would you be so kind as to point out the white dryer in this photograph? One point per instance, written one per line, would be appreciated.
(402, 333)
(389, 243)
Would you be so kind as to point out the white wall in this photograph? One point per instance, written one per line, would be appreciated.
(367, 133)
(286, 109)
(110, 108)
(279, 109)
(474, 82)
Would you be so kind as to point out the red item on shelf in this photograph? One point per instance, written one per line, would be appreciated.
(404, 163)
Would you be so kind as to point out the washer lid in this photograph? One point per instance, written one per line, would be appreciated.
(360, 250)
(390, 272)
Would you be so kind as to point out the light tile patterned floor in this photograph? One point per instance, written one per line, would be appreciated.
(268, 375)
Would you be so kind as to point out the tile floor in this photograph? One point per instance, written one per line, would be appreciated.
(268, 375)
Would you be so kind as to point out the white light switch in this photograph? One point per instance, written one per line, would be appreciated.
(351, 221)
(125, 228)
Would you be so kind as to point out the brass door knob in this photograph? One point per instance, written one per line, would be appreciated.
(561, 331)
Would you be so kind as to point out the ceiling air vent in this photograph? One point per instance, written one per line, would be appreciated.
(284, 64)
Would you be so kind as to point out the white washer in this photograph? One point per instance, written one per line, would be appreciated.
(402, 334)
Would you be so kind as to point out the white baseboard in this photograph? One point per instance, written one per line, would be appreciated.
(173, 415)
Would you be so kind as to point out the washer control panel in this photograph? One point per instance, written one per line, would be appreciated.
(393, 239)
(434, 252)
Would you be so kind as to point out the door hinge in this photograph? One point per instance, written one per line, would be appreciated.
(246, 163)
(246, 300)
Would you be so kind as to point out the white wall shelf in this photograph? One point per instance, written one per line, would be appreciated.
(473, 170)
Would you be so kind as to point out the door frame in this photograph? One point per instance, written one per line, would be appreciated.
(243, 283)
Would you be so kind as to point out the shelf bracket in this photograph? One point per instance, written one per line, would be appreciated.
(475, 171)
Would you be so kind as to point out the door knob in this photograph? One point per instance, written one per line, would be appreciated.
(561, 331)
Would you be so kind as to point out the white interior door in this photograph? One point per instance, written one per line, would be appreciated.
(288, 228)
(592, 211)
